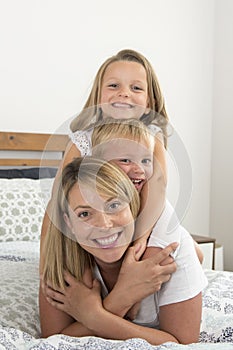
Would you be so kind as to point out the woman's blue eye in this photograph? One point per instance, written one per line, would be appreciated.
(114, 205)
(112, 85)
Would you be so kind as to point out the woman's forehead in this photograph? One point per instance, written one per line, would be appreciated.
(82, 196)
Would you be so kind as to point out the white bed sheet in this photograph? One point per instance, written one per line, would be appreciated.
(19, 317)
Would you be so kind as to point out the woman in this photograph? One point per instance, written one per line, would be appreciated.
(92, 230)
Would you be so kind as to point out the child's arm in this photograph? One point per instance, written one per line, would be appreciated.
(199, 252)
(153, 193)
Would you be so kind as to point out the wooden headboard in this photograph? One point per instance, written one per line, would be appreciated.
(51, 144)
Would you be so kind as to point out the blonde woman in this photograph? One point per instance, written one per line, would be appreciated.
(92, 229)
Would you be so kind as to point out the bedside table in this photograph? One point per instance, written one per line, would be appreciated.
(207, 245)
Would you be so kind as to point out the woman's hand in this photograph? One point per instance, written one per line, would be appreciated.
(77, 300)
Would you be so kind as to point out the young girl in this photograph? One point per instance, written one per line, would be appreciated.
(93, 227)
(129, 144)
(125, 86)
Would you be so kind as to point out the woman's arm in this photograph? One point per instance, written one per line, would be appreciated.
(88, 309)
(136, 281)
(182, 319)
(179, 322)
(54, 321)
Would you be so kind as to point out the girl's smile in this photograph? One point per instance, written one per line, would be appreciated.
(134, 158)
(124, 90)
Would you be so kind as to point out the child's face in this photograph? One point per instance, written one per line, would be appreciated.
(124, 91)
(103, 226)
(135, 159)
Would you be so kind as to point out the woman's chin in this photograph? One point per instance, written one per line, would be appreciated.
(111, 255)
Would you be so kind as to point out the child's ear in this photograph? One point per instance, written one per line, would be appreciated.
(148, 109)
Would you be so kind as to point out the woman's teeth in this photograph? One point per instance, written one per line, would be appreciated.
(107, 241)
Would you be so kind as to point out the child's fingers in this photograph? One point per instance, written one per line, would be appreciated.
(47, 285)
(69, 278)
(165, 253)
(167, 261)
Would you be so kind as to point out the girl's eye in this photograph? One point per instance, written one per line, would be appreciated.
(146, 161)
(113, 85)
(126, 161)
(136, 88)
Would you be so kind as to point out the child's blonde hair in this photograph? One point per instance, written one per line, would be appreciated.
(114, 129)
(91, 111)
(61, 250)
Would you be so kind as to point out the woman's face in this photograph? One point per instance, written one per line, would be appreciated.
(102, 226)
(124, 91)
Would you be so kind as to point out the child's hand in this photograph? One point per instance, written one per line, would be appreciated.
(151, 251)
(138, 279)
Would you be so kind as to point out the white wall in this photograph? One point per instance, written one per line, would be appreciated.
(221, 218)
(51, 50)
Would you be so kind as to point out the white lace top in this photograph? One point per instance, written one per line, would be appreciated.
(82, 140)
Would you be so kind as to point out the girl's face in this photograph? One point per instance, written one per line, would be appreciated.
(134, 158)
(102, 226)
(124, 91)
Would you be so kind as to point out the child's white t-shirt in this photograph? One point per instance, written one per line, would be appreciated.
(166, 230)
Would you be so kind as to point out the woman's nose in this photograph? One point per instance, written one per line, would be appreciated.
(104, 220)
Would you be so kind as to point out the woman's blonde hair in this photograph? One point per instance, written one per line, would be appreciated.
(114, 129)
(91, 111)
(61, 250)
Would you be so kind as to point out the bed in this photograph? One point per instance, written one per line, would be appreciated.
(25, 185)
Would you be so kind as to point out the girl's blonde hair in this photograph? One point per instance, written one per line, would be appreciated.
(114, 129)
(61, 250)
(91, 111)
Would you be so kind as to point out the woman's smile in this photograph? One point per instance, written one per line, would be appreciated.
(109, 241)
(102, 226)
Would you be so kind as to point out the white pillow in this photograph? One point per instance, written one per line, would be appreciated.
(22, 207)
(19, 270)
